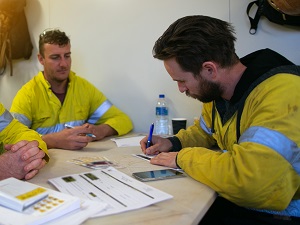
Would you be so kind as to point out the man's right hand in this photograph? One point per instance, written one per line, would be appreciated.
(71, 139)
(159, 145)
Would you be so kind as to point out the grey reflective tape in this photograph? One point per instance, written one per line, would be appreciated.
(22, 118)
(204, 127)
(100, 112)
(48, 130)
(283, 146)
(58, 127)
(293, 209)
(76, 123)
(5, 119)
(276, 141)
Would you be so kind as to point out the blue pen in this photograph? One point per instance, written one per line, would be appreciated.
(71, 127)
(150, 136)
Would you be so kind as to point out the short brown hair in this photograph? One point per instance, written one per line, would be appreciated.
(52, 36)
(193, 40)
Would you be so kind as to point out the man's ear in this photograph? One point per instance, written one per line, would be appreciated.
(40, 58)
(209, 70)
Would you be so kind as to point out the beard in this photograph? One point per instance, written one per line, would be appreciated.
(207, 91)
(58, 76)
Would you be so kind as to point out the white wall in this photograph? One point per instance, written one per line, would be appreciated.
(112, 43)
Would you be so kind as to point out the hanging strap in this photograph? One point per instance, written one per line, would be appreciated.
(3, 57)
(259, 12)
(9, 56)
(5, 43)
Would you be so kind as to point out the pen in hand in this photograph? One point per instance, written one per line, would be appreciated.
(149, 141)
(88, 134)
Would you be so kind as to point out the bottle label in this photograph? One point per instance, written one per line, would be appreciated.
(161, 111)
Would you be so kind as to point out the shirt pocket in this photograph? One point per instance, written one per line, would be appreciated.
(43, 118)
(76, 112)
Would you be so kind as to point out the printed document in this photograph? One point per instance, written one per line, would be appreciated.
(119, 191)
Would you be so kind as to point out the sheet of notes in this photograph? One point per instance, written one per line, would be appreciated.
(118, 190)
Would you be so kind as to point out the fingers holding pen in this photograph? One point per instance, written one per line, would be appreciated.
(159, 144)
(152, 150)
(84, 130)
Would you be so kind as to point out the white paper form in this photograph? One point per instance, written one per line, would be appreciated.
(120, 191)
(128, 141)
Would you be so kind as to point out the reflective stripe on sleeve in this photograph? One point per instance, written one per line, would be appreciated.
(276, 141)
(283, 146)
(58, 127)
(204, 127)
(100, 112)
(22, 118)
(48, 130)
(5, 119)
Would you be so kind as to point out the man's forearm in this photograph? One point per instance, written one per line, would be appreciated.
(50, 140)
(104, 130)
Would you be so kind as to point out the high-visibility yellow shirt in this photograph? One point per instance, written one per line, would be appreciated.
(36, 106)
(12, 131)
(261, 169)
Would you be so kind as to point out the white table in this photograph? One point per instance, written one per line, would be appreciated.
(190, 201)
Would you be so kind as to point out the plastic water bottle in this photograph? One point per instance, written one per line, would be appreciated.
(162, 116)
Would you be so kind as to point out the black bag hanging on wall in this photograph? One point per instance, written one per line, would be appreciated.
(15, 42)
(276, 12)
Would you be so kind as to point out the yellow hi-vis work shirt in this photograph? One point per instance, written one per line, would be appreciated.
(36, 106)
(12, 131)
(261, 169)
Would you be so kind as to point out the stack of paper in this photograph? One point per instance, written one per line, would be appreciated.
(56, 208)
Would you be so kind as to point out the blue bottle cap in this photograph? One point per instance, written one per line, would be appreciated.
(161, 96)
